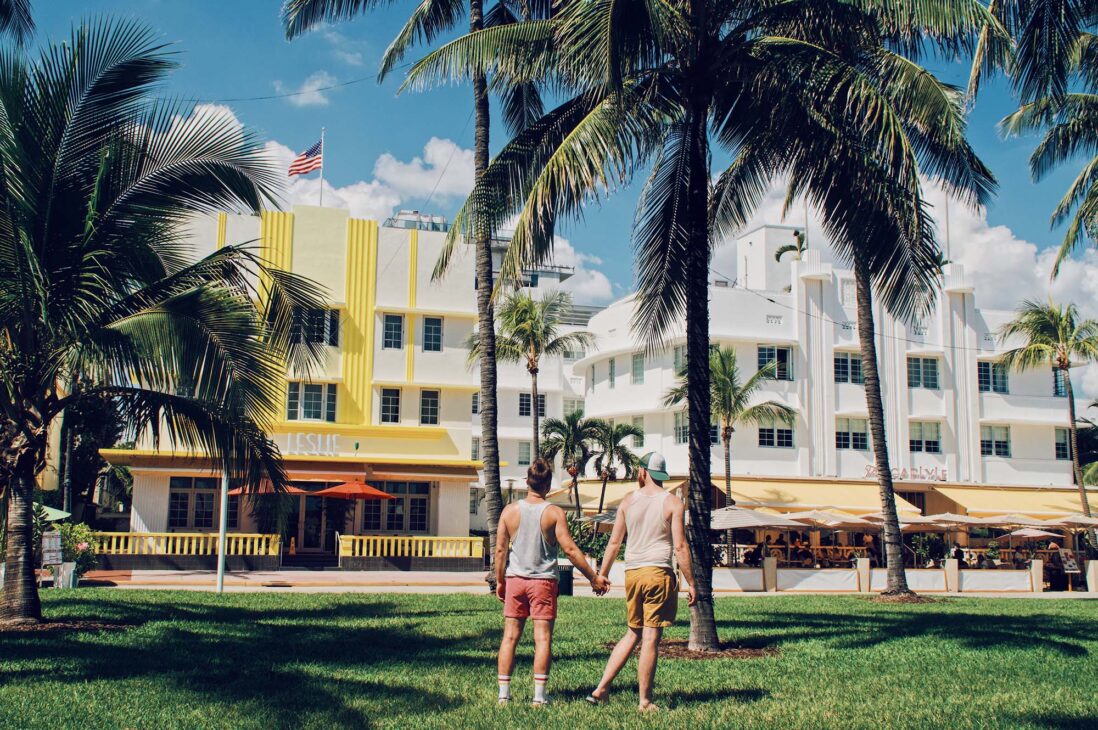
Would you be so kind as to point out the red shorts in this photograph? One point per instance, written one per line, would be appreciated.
(530, 597)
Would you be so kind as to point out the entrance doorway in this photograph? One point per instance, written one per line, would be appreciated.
(314, 521)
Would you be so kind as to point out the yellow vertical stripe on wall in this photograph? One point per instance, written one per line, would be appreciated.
(358, 327)
(222, 226)
(276, 245)
(413, 255)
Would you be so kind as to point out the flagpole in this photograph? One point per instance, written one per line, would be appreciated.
(322, 167)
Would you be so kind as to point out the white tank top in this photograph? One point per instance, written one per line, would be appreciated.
(531, 554)
(647, 532)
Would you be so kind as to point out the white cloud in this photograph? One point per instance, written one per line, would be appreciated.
(311, 92)
(343, 48)
(587, 284)
(444, 170)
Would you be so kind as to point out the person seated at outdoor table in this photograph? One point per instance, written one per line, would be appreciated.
(754, 557)
(780, 542)
(1054, 569)
(959, 556)
(1020, 559)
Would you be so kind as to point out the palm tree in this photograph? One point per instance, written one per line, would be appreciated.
(98, 298)
(1054, 336)
(522, 103)
(797, 248)
(530, 329)
(661, 83)
(16, 21)
(612, 450)
(571, 437)
(731, 401)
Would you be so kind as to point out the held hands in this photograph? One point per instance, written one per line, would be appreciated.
(600, 585)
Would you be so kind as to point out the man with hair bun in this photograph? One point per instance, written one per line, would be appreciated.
(526, 576)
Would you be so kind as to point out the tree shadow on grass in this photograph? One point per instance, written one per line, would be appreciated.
(670, 695)
(971, 630)
(1055, 721)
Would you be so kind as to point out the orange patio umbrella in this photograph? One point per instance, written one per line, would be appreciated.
(353, 490)
(266, 489)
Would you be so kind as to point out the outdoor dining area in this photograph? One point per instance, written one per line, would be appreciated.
(830, 550)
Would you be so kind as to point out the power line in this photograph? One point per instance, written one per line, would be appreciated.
(302, 92)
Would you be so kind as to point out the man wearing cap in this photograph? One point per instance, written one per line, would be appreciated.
(652, 519)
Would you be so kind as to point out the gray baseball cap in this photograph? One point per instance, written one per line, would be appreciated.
(656, 465)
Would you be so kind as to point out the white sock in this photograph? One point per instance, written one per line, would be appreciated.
(505, 686)
(539, 687)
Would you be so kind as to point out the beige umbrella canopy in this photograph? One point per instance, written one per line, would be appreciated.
(827, 520)
(951, 519)
(737, 518)
(1032, 533)
(1077, 522)
(1012, 520)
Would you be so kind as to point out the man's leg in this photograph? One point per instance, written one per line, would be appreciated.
(646, 667)
(618, 657)
(512, 632)
(543, 657)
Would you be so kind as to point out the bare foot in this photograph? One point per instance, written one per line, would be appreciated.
(649, 707)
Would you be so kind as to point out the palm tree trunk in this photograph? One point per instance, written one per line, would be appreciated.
(602, 495)
(486, 326)
(703, 626)
(19, 603)
(893, 539)
(728, 545)
(576, 493)
(1077, 469)
(534, 409)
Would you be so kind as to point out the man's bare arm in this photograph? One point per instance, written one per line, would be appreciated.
(682, 552)
(617, 535)
(568, 545)
(503, 547)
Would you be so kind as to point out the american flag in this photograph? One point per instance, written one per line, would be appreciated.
(309, 160)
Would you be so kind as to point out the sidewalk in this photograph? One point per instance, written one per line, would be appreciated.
(395, 581)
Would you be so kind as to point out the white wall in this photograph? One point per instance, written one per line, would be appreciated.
(149, 512)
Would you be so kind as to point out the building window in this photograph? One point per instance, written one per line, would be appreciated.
(714, 434)
(922, 372)
(524, 450)
(573, 355)
(679, 358)
(682, 427)
(1063, 444)
(848, 368)
(530, 279)
(474, 501)
(573, 405)
(925, 437)
(848, 293)
(992, 377)
(775, 436)
(613, 371)
(474, 450)
(638, 368)
(525, 399)
(390, 405)
(234, 513)
(851, 433)
(638, 441)
(393, 337)
(311, 401)
(1059, 383)
(316, 326)
(192, 503)
(995, 441)
(428, 407)
(432, 334)
(408, 512)
(476, 403)
(782, 356)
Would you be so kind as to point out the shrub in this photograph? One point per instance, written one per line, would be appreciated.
(78, 545)
(587, 538)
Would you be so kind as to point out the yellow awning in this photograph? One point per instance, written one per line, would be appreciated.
(1033, 502)
(794, 495)
(590, 490)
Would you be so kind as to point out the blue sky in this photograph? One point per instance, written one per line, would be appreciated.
(378, 147)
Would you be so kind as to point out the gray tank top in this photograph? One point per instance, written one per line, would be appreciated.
(531, 554)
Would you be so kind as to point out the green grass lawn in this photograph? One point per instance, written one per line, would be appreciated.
(297, 660)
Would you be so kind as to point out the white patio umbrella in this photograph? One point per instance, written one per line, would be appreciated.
(1032, 533)
(1012, 520)
(1077, 521)
(739, 518)
(829, 520)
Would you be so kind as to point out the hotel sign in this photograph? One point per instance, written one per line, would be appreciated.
(300, 443)
(912, 473)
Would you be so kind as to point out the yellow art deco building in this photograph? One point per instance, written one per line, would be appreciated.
(390, 404)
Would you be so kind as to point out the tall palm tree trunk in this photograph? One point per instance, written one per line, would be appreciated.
(893, 539)
(576, 492)
(602, 495)
(727, 438)
(534, 409)
(19, 603)
(1076, 467)
(703, 627)
(486, 327)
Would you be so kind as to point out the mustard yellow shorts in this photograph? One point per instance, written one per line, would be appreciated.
(651, 597)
